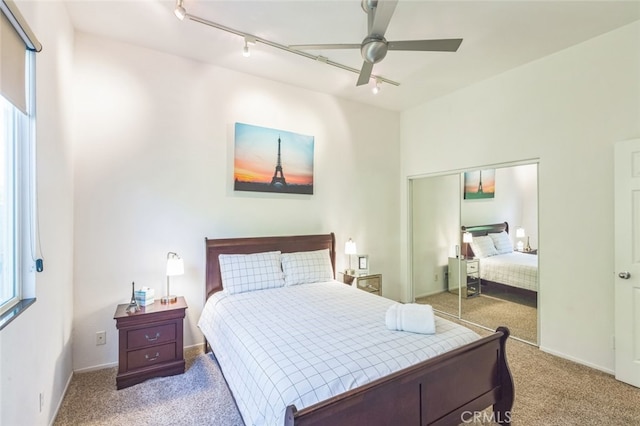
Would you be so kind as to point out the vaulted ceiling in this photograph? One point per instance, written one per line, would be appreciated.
(498, 36)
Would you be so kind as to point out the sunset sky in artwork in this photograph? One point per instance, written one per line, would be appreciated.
(256, 155)
(471, 180)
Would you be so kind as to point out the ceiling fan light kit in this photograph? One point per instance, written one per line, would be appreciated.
(373, 48)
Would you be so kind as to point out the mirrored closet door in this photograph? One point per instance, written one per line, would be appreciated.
(474, 246)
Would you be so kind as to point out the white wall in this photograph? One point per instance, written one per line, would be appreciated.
(153, 143)
(436, 230)
(35, 349)
(568, 110)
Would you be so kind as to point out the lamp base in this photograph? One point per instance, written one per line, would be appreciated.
(168, 299)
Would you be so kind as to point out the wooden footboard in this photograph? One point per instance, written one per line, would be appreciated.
(446, 390)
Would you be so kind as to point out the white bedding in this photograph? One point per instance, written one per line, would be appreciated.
(303, 344)
(514, 269)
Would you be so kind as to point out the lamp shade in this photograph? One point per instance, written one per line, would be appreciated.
(350, 247)
(175, 265)
(520, 232)
(467, 237)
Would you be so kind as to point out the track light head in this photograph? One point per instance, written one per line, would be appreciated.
(248, 40)
(376, 88)
(180, 11)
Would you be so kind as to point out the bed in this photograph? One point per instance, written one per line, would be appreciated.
(500, 265)
(402, 381)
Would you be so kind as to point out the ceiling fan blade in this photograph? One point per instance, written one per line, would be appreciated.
(444, 45)
(365, 73)
(323, 46)
(382, 15)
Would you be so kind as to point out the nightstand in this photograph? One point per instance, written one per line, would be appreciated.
(369, 283)
(532, 251)
(150, 342)
(467, 273)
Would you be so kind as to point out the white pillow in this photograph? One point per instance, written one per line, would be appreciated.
(248, 272)
(305, 267)
(482, 246)
(502, 242)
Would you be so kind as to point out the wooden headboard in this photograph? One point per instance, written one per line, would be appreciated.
(479, 230)
(216, 247)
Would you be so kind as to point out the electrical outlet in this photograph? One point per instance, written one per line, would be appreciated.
(435, 277)
(101, 338)
(41, 401)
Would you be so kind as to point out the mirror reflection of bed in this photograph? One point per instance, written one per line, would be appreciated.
(501, 288)
(508, 280)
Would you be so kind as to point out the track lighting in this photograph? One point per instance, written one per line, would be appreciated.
(248, 41)
(376, 88)
(180, 11)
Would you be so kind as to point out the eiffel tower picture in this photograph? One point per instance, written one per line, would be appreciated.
(278, 176)
(479, 184)
(253, 160)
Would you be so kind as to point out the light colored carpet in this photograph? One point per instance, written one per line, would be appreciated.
(522, 320)
(549, 391)
(200, 396)
(552, 391)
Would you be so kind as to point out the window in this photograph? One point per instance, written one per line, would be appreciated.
(13, 179)
(17, 58)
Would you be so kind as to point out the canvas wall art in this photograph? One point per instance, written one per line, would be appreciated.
(271, 160)
(480, 184)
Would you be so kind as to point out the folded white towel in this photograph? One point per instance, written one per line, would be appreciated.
(412, 317)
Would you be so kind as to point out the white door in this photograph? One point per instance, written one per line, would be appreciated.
(627, 261)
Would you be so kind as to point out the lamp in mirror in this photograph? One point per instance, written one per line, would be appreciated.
(520, 234)
(467, 238)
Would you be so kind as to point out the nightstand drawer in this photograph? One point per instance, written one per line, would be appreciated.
(370, 283)
(151, 336)
(472, 267)
(151, 356)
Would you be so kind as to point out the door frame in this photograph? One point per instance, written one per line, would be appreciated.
(626, 369)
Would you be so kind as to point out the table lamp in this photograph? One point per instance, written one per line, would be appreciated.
(349, 249)
(175, 266)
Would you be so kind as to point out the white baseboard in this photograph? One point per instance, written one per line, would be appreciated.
(96, 367)
(115, 364)
(577, 360)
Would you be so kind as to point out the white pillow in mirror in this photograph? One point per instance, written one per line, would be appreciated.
(502, 242)
(483, 246)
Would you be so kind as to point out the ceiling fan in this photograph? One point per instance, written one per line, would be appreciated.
(374, 47)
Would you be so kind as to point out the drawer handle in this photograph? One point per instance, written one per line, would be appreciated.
(146, 356)
(152, 339)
